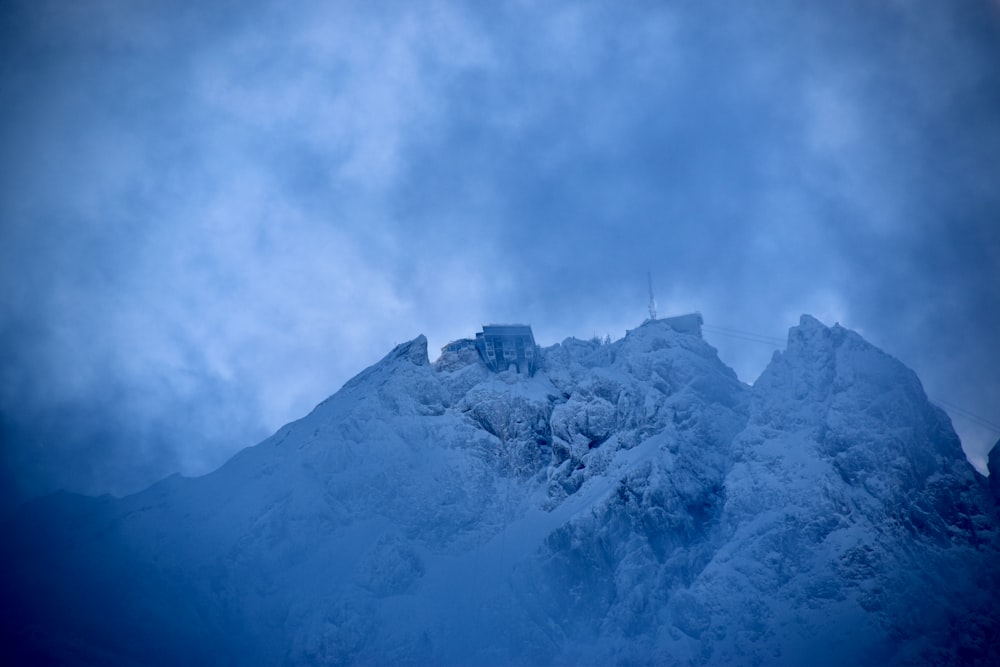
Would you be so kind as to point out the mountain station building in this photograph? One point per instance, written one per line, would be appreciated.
(502, 346)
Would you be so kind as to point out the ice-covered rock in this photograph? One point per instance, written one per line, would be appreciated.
(630, 502)
(854, 528)
(993, 466)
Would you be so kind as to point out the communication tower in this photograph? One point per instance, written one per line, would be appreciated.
(652, 300)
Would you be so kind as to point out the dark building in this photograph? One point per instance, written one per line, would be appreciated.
(505, 345)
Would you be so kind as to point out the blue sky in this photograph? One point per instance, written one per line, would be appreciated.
(213, 214)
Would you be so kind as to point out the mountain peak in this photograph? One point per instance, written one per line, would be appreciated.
(850, 394)
(807, 321)
(620, 502)
(414, 351)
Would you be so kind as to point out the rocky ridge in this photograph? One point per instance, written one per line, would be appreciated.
(631, 503)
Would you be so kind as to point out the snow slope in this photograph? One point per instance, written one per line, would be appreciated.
(630, 503)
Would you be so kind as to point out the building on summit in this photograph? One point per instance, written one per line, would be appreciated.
(689, 324)
(503, 346)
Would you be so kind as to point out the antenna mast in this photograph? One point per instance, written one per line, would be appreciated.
(652, 300)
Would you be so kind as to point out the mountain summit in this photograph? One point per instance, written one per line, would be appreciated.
(627, 502)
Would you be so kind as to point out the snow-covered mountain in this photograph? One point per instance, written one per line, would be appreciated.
(629, 503)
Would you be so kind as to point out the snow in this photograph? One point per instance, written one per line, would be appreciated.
(630, 502)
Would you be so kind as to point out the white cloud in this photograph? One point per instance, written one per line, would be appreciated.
(833, 121)
(354, 87)
(196, 206)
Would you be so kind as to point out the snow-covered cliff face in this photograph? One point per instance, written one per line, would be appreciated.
(630, 503)
(993, 466)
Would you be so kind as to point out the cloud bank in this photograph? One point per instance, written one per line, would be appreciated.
(213, 216)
